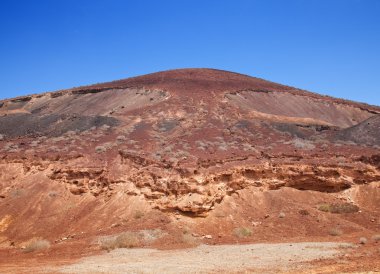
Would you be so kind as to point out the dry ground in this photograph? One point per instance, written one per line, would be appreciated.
(252, 258)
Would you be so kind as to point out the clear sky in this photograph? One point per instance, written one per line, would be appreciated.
(326, 46)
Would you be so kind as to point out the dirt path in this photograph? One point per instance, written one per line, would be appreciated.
(208, 259)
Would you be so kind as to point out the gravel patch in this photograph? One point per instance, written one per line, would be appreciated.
(207, 259)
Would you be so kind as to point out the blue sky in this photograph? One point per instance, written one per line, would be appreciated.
(326, 46)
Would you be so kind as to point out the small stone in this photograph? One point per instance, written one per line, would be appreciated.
(266, 216)
(208, 237)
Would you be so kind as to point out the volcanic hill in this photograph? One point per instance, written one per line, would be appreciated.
(201, 150)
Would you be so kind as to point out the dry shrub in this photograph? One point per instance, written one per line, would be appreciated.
(127, 240)
(124, 240)
(303, 144)
(10, 147)
(304, 212)
(121, 138)
(345, 208)
(36, 245)
(376, 238)
(242, 232)
(339, 208)
(17, 192)
(35, 143)
(335, 232)
(100, 149)
(104, 147)
(324, 207)
(105, 127)
(190, 240)
(138, 214)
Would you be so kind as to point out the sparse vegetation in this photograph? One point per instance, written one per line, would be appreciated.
(100, 149)
(124, 240)
(53, 194)
(339, 208)
(138, 214)
(105, 127)
(302, 144)
(57, 139)
(53, 149)
(17, 192)
(35, 143)
(71, 133)
(190, 240)
(335, 232)
(324, 207)
(167, 125)
(10, 147)
(242, 232)
(130, 239)
(121, 138)
(37, 245)
(363, 240)
(376, 238)
(104, 147)
(304, 212)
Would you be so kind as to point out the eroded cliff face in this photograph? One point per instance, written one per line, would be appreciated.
(198, 194)
(63, 198)
(192, 143)
(191, 190)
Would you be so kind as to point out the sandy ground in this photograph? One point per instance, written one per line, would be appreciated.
(252, 258)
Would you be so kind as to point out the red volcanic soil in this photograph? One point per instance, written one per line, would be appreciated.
(176, 155)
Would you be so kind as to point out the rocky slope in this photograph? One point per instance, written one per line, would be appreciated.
(158, 150)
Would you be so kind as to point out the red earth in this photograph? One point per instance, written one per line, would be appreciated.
(189, 152)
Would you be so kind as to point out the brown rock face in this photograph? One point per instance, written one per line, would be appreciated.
(185, 141)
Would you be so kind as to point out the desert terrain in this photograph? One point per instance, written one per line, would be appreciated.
(189, 171)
